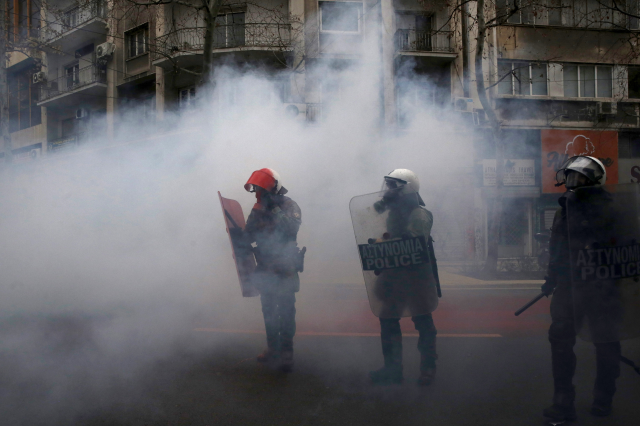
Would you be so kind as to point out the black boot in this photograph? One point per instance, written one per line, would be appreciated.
(428, 359)
(601, 406)
(608, 370)
(427, 347)
(391, 338)
(563, 363)
(563, 407)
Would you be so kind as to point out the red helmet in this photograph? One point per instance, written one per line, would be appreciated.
(267, 179)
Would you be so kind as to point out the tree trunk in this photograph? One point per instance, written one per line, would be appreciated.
(210, 13)
(5, 136)
(491, 263)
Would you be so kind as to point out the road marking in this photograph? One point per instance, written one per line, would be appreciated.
(327, 333)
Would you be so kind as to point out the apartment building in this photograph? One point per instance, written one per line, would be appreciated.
(563, 81)
(562, 75)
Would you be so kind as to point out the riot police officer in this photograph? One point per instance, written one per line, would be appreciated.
(405, 291)
(576, 172)
(273, 225)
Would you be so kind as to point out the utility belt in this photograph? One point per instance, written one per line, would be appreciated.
(289, 260)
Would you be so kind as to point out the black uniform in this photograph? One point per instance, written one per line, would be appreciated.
(562, 333)
(274, 229)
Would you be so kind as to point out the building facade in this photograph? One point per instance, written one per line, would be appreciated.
(561, 80)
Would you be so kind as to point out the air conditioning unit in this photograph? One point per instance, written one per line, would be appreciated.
(606, 108)
(104, 50)
(39, 77)
(35, 153)
(82, 113)
(463, 104)
(297, 111)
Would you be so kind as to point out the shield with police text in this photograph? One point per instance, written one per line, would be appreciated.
(395, 260)
(604, 239)
(240, 249)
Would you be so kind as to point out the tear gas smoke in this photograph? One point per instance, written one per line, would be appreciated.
(111, 255)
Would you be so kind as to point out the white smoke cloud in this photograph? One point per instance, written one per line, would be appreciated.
(111, 255)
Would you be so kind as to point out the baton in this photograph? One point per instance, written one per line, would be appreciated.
(530, 303)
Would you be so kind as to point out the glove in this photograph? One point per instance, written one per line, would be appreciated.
(548, 286)
(380, 206)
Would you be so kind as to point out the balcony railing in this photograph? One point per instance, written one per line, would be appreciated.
(191, 40)
(74, 78)
(74, 18)
(424, 41)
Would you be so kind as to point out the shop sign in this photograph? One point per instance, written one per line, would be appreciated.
(559, 145)
(516, 172)
(628, 170)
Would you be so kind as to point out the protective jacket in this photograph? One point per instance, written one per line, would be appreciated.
(408, 291)
(588, 209)
(274, 228)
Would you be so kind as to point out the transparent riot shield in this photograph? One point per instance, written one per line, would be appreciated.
(395, 263)
(604, 241)
(242, 253)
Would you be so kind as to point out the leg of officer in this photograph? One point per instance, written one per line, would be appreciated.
(608, 370)
(427, 347)
(287, 315)
(562, 336)
(269, 303)
(391, 339)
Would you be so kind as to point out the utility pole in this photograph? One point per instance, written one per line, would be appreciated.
(5, 136)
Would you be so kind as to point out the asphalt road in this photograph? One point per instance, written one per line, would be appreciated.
(493, 368)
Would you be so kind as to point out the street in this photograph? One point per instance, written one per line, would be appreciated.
(493, 369)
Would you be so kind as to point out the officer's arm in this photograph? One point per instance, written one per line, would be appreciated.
(289, 219)
(420, 223)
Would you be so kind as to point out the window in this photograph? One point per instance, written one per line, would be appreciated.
(137, 41)
(413, 97)
(633, 10)
(229, 30)
(522, 78)
(634, 82)
(70, 18)
(23, 19)
(23, 98)
(521, 11)
(570, 13)
(340, 16)
(588, 81)
(72, 75)
(187, 97)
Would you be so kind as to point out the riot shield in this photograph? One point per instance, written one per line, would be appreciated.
(242, 253)
(604, 241)
(395, 264)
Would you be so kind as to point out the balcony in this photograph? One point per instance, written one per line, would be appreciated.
(425, 43)
(267, 37)
(75, 86)
(90, 17)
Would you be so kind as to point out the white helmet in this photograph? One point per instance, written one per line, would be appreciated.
(589, 167)
(405, 181)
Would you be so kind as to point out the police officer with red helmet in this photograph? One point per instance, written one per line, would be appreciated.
(273, 226)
